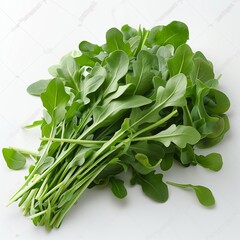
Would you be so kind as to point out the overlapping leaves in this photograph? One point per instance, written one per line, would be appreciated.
(137, 104)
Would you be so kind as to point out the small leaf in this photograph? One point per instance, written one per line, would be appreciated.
(153, 186)
(212, 161)
(14, 159)
(204, 195)
(118, 188)
(37, 88)
(143, 159)
(34, 124)
(167, 161)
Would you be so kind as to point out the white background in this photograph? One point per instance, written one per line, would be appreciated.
(35, 34)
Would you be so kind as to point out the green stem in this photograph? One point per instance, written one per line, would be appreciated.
(25, 186)
(76, 197)
(160, 122)
(25, 152)
(178, 184)
(77, 141)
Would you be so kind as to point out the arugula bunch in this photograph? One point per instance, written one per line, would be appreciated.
(136, 104)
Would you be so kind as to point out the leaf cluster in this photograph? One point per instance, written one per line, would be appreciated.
(136, 104)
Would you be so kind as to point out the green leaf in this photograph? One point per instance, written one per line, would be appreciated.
(69, 70)
(187, 155)
(176, 33)
(153, 186)
(204, 195)
(163, 54)
(209, 142)
(182, 61)
(34, 124)
(109, 171)
(55, 99)
(37, 88)
(180, 135)
(117, 67)
(171, 95)
(216, 102)
(167, 161)
(45, 164)
(80, 158)
(115, 41)
(203, 69)
(92, 83)
(89, 49)
(128, 32)
(103, 116)
(143, 159)
(118, 188)
(14, 159)
(142, 75)
(124, 90)
(212, 161)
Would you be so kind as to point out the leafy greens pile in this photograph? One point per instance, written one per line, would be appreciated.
(135, 104)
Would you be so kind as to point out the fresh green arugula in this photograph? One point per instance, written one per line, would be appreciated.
(136, 104)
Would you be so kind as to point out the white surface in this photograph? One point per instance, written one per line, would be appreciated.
(35, 34)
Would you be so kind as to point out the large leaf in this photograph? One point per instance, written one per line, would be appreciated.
(104, 116)
(117, 67)
(55, 100)
(182, 61)
(171, 95)
(115, 41)
(142, 74)
(180, 135)
(175, 33)
(203, 69)
(69, 70)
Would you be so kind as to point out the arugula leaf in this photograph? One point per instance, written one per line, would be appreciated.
(34, 124)
(180, 135)
(118, 188)
(117, 66)
(69, 70)
(115, 41)
(37, 88)
(138, 102)
(142, 75)
(176, 33)
(14, 159)
(212, 161)
(203, 194)
(55, 99)
(182, 61)
(153, 186)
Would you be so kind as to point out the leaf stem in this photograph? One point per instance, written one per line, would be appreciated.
(78, 141)
(25, 152)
